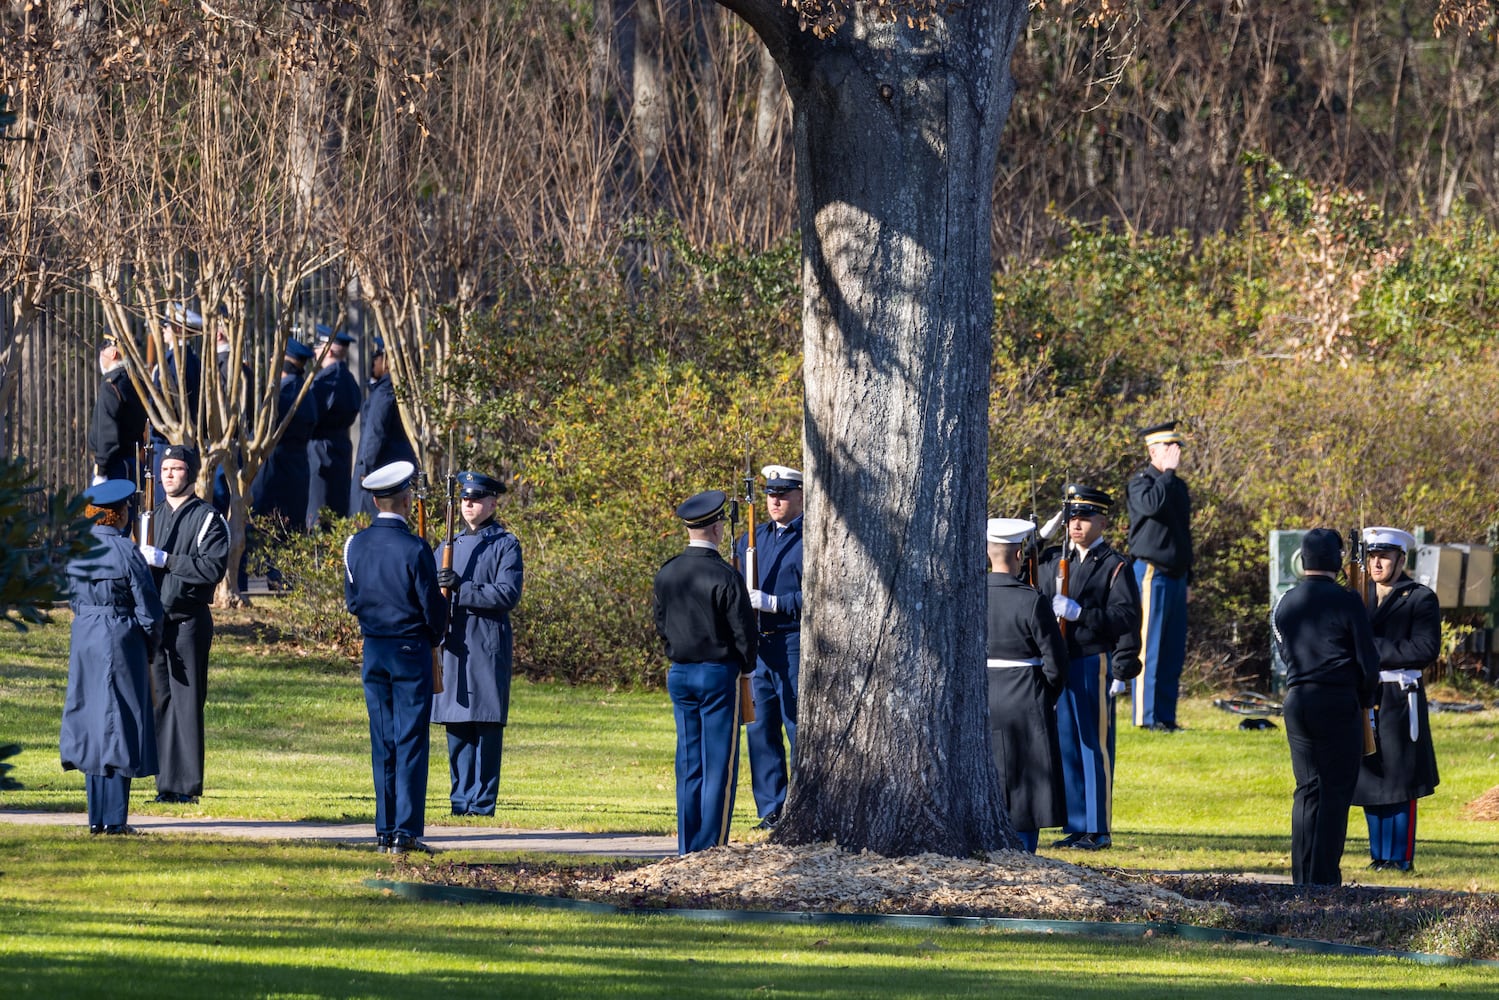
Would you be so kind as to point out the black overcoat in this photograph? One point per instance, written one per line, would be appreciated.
(1407, 628)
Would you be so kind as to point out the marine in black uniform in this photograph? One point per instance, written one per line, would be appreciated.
(330, 452)
(704, 617)
(1332, 670)
(390, 585)
(1101, 611)
(1027, 667)
(188, 561)
(1160, 543)
(1407, 624)
(119, 419)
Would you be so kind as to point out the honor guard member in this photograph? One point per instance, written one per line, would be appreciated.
(178, 325)
(483, 587)
(777, 595)
(390, 585)
(330, 452)
(1160, 542)
(107, 731)
(704, 617)
(1027, 670)
(187, 565)
(382, 437)
(119, 421)
(1101, 610)
(281, 487)
(1407, 625)
(1332, 671)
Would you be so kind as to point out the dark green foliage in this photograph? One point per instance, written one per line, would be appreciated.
(35, 544)
(312, 569)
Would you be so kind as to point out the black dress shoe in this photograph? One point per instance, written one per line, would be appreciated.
(405, 844)
(1068, 841)
(383, 842)
(768, 822)
(1094, 842)
(120, 829)
(96, 828)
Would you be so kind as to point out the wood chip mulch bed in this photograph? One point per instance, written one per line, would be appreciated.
(822, 878)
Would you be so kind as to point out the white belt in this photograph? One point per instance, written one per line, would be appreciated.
(998, 664)
(1410, 682)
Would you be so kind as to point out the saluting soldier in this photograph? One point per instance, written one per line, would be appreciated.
(1407, 625)
(382, 436)
(107, 732)
(330, 452)
(1160, 542)
(777, 595)
(1027, 669)
(483, 587)
(280, 488)
(390, 585)
(187, 565)
(1102, 613)
(704, 617)
(1332, 670)
(119, 419)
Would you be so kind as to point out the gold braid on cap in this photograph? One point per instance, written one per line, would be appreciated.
(111, 517)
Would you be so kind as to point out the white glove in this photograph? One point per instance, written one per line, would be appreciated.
(1065, 607)
(156, 557)
(761, 601)
(1116, 688)
(96, 480)
(1050, 527)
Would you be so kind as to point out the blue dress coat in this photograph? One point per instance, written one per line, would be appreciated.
(107, 720)
(330, 452)
(477, 652)
(382, 440)
(281, 485)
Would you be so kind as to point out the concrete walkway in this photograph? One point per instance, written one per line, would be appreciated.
(439, 838)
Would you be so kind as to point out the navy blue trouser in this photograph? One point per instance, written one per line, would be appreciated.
(1085, 725)
(1163, 645)
(778, 662)
(108, 799)
(398, 694)
(474, 750)
(705, 702)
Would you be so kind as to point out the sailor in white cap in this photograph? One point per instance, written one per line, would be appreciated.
(390, 585)
(1407, 624)
(1027, 670)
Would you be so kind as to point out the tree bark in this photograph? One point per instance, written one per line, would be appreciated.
(896, 134)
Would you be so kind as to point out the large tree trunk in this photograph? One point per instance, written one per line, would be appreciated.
(896, 135)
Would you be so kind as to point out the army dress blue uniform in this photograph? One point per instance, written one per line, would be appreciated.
(330, 452)
(703, 615)
(390, 585)
(1160, 543)
(474, 703)
(281, 486)
(107, 730)
(382, 437)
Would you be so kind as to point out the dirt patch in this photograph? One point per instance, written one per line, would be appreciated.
(1485, 807)
(821, 878)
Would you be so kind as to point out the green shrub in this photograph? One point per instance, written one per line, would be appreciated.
(312, 571)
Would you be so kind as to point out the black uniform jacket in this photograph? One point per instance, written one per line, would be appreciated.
(702, 609)
(1103, 583)
(1407, 628)
(1324, 637)
(1160, 520)
(196, 540)
(119, 419)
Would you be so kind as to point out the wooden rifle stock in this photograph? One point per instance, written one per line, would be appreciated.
(421, 530)
(1064, 577)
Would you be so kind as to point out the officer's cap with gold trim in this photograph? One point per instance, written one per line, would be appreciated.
(1388, 540)
(1165, 433)
(704, 509)
(388, 480)
(1085, 501)
(781, 478)
(1008, 530)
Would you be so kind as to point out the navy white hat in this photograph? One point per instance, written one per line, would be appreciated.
(109, 493)
(1385, 539)
(178, 314)
(184, 453)
(1322, 550)
(476, 485)
(703, 509)
(1085, 501)
(1165, 433)
(388, 480)
(1008, 530)
(781, 478)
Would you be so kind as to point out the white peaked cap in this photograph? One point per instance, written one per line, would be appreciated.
(1009, 530)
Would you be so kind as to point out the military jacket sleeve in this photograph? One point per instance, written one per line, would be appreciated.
(1408, 628)
(495, 583)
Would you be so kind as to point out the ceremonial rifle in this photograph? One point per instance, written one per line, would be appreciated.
(751, 574)
(421, 531)
(1357, 574)
(146, 474)
(1030, 562)
(1064, 567)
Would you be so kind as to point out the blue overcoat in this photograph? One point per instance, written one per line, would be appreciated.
(477, 651)
(382, 440)
(281, 485)
(330, 452)
(107, 726)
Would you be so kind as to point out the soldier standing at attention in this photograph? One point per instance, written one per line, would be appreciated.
(483, 587)
(777, 595)
(1102, 613)
(390, 585)
(187, 565)
(1027, 669)
(704, 617)
(330, 453)
(1332, 671)
(1160, 542)
(280, 489)
(119, 418)
(382, 436)
(1407, 624)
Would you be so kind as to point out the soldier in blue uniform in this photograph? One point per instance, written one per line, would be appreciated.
(1332, 673)
(179, 323)
(1101, 612)
(705, 620)
(119, 420)
(382, 436)
(1160, 542)
(1407, 625)
(390, 585)
(187, 563)
(1027, 668)
(107, 731)
(280, 488)
(776, 594)
(483, 587)
(330, 452)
